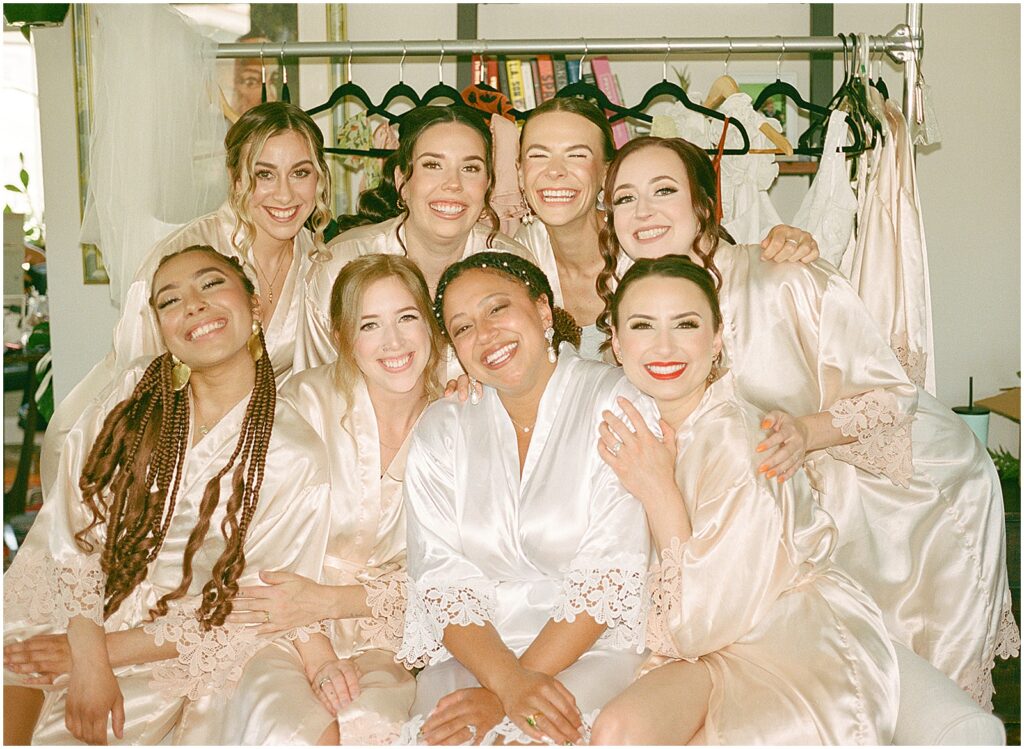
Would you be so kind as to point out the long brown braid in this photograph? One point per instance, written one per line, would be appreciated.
(701, 176)
(143, 444)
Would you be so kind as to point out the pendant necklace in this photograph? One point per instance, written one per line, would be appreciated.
(524, 430)
(271, 282)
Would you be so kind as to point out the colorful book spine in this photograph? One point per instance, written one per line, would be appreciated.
(572, 71)
(529, 102)
(535, 72)
(605, 80)
(546, 69)
(478, 69)
(492, 75)
(587, 73)
(516, 92)
(503, 75)
(561, 76)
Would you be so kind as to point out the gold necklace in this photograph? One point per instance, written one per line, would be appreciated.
(524, 430)
(271, 282)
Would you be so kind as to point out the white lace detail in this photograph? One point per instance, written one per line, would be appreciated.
(369, 730)
(666, 594)
(883, 446)
(409, 735)
(52, 592)
(914, 362)
(386, 596)
(431, 607)
(510, 733)
(1008, 634)
(977, 680)
(208, 662)
(303, 633)
(612, 595)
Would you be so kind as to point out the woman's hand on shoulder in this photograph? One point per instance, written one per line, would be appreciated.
(94, 694)
(336, 684)
(540, 706)
(787, 244)
(465, 715)
(285, 602)
(644, 464)
(785, 447)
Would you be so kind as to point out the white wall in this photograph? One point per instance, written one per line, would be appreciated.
(970, 184)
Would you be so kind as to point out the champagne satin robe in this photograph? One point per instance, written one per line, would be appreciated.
(797, 652)
(316, 346)
(489, 545)
(916, 497)
(52, 580)
(137, 333)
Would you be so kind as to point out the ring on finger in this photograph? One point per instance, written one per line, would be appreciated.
(266, 617)
(614, 449)
(472, 732)
(325, 680)
(531, 720)
(793, 241)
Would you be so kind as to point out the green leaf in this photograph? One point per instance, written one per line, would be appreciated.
(24, 177)
(13, 188)
(7, 209)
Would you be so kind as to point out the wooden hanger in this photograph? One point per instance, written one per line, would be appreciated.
(723, 87)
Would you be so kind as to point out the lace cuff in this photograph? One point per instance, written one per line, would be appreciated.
(666, 595)
(386, 596)
(39, 589)
(914, 362)
(612, 595)
(883, 446)
(431, 608)
(208, 662)
(303, 633)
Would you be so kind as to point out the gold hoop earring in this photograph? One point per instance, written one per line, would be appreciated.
(254, 344)
(400, 204)
(180, 372)
(715, 369)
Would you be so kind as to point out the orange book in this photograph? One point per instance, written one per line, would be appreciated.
(547, 77)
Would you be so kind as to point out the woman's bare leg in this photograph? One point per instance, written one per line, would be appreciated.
(21, 711)
(666, 706)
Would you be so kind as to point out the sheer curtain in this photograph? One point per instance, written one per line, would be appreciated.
(156, 154)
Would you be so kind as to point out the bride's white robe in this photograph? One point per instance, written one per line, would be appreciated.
(486, 545)
(52, 580)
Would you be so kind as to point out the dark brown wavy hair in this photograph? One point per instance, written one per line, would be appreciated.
(701, 176)
(133, 472)
(669, 266)
(519, 269)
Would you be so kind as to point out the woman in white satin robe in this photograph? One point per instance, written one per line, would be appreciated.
(756, 636)
(544, 551)
(914, 495)
(364, 412)
(431, 206)
(168, 666)
(235, 233)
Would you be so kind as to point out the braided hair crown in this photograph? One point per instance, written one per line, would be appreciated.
(519, 269)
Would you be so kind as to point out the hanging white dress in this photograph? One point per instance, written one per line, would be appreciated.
(137, 333)
(315, 346)
(888, 261)
(366, 546)
(829, 208)
(797, 652)
(747, 210)
(52, 579)
(486, 545)
(916, 498)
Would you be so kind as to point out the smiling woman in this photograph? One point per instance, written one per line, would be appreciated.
(275, 212)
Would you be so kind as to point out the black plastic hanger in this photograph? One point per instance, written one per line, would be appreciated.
(347, 90)
(442, 90)
(586, 90)
(400, 90)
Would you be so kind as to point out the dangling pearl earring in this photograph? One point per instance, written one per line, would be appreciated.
(549, 335)
(527, 217)
(600, 200)
(474, 395)
(180, 372)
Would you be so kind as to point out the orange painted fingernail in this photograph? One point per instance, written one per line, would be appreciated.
(770, 474)
(762, 469)
(760, 448)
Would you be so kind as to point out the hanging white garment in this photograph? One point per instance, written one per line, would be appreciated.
(830, 205)
(673, 120)
(887, 261)
(747, 211)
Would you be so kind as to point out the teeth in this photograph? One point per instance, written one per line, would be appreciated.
(651, 233)
(664, 370)
(500, 355)
(449, 209)
(558, 196)
(396, 363)
(282, 214)
(206, 329)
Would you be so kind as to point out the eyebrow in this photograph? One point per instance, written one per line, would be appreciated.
(681, 315)
(274, 166)
(631, 186)
(410, 308)
(474, 157)
(584, 146)
(198, 273)
(482, 303)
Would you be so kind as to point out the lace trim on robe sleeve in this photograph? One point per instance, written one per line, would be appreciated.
(303, 633)
(883, 446)
(433, 606)
(47, 591)
(386, 596)
(208, 662)
(612, 595)
(666, 594)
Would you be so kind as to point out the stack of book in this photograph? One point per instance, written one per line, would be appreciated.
(530, 82)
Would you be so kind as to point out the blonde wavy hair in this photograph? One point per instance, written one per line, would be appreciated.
(244, 143)
(346, 304)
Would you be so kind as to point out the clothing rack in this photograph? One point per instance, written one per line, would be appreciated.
(903, 44)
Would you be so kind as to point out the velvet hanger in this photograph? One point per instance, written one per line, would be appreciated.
(442, 90)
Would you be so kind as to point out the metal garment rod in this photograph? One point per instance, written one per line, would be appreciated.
(899, 40)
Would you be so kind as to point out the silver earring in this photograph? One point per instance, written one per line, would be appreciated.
(474, 395)
(549, 335)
